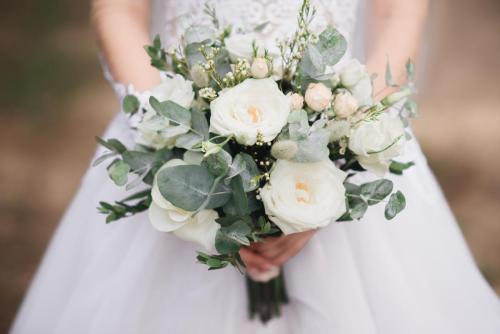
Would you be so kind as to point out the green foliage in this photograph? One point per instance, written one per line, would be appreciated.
(230, 238)
(218, 163)
(239, 196)
(329, 49)
(157, 54)
(126, 207)
(376, 191)
(214, 261)
(172, 111)
(396, 204)
(399, 167)
(191, 187)
(244, 165)
(130, 104)
(118, 172)
(114, 145)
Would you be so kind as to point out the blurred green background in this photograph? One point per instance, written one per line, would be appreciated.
(54, 100)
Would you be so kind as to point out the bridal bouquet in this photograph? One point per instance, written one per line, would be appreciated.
(244, 140)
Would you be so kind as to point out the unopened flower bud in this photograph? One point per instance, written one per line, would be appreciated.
(260, 68)
(284, 149)
(296, 102)
(318, 96)
(344, 104)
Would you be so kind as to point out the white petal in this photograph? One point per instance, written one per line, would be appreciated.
(161, 220)
(201, 229)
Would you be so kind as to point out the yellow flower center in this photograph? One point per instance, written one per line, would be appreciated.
(254, 114)
(303, 193)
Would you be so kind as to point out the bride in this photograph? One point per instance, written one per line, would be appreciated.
(415, 275)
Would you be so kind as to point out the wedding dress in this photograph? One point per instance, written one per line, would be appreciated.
(411, 275)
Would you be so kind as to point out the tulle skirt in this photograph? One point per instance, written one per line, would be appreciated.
(410, 275)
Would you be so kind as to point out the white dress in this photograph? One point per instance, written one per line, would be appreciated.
(411, 275)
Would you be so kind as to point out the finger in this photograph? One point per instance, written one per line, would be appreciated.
(254, 260)
(272, 252)
(268, 243)
(287, 254)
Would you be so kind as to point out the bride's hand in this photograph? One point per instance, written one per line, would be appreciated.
(280, 249)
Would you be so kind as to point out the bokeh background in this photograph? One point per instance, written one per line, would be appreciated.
(54, 100)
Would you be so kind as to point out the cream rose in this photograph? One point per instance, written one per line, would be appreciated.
(164, 216)
(255, 106)
(377, 142)
(304, 196)
(259, 68)
(344, 104)
(176, 89)
(318, 96)
(296, 102)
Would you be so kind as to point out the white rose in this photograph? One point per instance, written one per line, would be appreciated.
(296, 102)
(259, 68)
(304, 196)
(355, 77)
(376, 143)
(338, 129)
(176, 89)
(255, 106)
(164, 216)
(318, 96)
(344, 104)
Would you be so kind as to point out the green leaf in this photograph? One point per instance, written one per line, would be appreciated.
(103, 157)
(187, 186)
(261, 26)
(314, 147)
(388, 75)
(157, 41)
(244, 165)
(218, 163)
(138, 160)
(190, 187)
(399, 167)
(411, 108)
(113, 145)
(410, 70)
(199, 123)
(172, 111)
(130, 104)
(118, 172)
(357, 208)
(229, 239)
(376, 191)
(396, 204)
(239, 196)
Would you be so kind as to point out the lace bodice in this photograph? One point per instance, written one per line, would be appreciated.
(171, 17)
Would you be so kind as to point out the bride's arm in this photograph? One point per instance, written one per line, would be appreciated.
(122, 28)
(394, 30)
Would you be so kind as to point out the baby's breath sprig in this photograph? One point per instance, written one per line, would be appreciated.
(239, 74)
(209, 65)
(292, 49)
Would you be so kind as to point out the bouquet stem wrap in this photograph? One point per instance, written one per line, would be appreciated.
(265, 299)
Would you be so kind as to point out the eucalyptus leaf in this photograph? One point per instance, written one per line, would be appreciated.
(244, 165)
(130, 104)
(118, 172)
(376, 191)
(199, 123)
(185, 186)
(399, 167)
(314, 147)
(218, 163)
(113, 145)
(172, 111)
(188, 140)
(357, 207)
(239, 196)
(396, 204)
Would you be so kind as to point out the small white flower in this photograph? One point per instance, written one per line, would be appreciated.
(376, 143)
(296, 102)
(208, 93)
(344, 104)
(318, 96)
(259, 69)
(304, 196)
(164, 216)
(251, 108)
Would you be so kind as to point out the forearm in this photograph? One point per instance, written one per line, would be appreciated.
(122, 29)
(394, 32)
